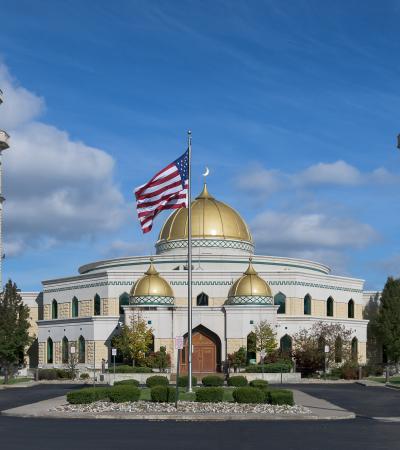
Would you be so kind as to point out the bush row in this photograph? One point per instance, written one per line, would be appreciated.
(269, 368)
(116, 394)
(130, 369)
(54, 374)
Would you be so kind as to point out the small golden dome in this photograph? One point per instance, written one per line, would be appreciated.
(250, 284)
(210, 219)
(151, 284)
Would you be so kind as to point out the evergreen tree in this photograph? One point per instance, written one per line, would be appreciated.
(14, 329)
(374, 344)
(389, 319)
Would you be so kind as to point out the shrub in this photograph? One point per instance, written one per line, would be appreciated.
(130, 369)
(53, 374)
(162, 394)
(84, 376)
(183, 381)
(212, 380)
(124, 393)
(63, 374)
(209, 394)
(88, 395)
(260, 384)
(47, 374)
(248, 395)
(157, 380)
(269, 368)
(280, 397)
(127, 383)
(237, 381)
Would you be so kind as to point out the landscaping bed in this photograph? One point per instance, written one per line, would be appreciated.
(146, 407)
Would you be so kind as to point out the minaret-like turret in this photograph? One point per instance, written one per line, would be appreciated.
(4, 137)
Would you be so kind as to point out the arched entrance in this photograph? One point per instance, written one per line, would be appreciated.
(206, 357)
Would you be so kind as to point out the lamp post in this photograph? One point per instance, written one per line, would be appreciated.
(4, 137)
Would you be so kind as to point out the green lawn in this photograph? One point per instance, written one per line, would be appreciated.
(394, 380)
(17, 380)
(186, 396)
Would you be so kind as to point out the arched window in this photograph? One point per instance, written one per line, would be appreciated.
(350, 309)
(329, 307)
(64, 350)
(286, 344)
(81, 350)
(54, 309)
(97, 305)
(75, 307)
(280, 299)
(123, 300)
(338, 350)
(307, 305)
(202, 299)
(49, 351)
(251, 348)
(354, 349)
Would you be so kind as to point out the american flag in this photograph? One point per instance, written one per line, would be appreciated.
(168, 189)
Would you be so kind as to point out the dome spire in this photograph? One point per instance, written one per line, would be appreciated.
(151, 270)
(204, 193)
(250, 269)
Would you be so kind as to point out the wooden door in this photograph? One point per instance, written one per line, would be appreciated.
(204, 357)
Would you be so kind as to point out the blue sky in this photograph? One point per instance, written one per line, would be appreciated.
(293, 105)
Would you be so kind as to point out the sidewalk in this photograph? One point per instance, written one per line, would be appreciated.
(320, 410)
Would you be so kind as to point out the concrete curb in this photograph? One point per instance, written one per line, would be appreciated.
(320, 410)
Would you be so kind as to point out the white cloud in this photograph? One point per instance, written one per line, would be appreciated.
(260, 180)
(57, 189)
(291, 233)
(337, 173)
(119, 248)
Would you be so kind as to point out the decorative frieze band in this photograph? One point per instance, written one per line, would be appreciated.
(207, 283)
(153, 300)
(250, 300)
(197, 243)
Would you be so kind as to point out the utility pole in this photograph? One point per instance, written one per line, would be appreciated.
(4, 137)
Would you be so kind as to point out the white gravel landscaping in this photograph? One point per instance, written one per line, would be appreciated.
(184, 407)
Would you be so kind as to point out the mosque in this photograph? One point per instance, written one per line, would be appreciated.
(233, 290)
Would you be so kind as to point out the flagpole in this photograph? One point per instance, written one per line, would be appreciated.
(190, 388)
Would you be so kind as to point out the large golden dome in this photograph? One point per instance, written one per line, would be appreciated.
(211, 219)
(250, 288)
(151, 285)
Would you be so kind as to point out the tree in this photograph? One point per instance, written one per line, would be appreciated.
(309, 346)
(14, 329)
(265, 337)
(135, 339)
(238, 359)
(160, 360)
(388, 319)
(374, 344)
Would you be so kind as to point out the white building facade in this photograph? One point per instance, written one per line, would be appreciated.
(88, 310)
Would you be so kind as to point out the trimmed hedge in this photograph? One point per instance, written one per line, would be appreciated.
(88, 395)
(280, 397)
(127, 383)
(212, 380)
(269, 368)
(54, 374)
(121, 394)
(248, 395)
(237, 381)
(260, 384)
(130, 369)
(184, 379)
(84, 376)
(157, 380)
(210, 394)
(163, 394)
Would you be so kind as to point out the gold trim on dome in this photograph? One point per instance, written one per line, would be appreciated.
(210, 219)
(250, 284)
(151, 284)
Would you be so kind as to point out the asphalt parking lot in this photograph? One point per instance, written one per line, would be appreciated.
(362, 433)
